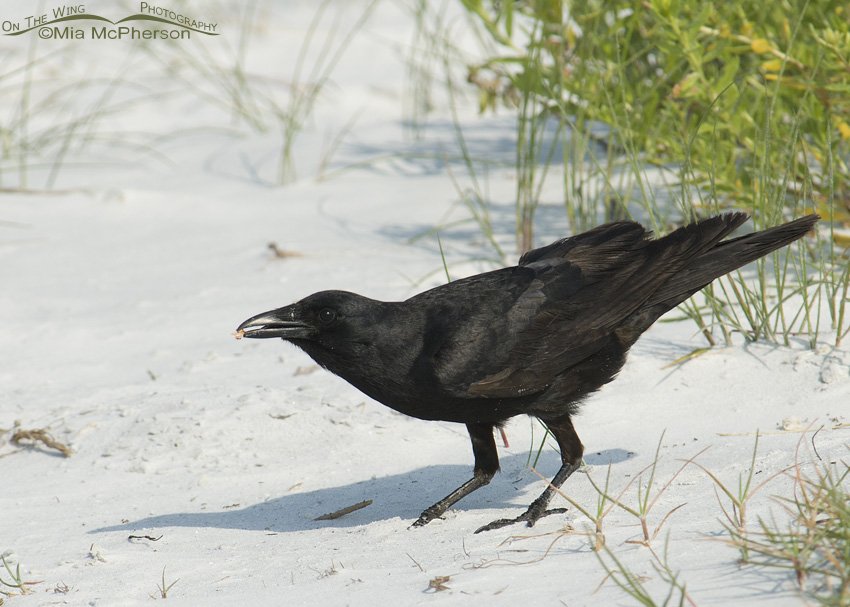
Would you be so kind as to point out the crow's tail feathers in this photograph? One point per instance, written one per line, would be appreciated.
(730, 255)
(719, 260)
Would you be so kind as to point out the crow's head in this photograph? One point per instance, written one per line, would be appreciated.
(328, 318)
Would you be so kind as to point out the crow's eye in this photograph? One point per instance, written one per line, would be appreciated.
(327, 316)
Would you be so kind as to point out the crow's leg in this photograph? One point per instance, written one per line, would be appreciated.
(486, 465)
(571, 452)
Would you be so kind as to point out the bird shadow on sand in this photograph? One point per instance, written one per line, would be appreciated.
(401, 495)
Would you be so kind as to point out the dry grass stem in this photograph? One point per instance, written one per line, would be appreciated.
(40, 435)
(343, 511)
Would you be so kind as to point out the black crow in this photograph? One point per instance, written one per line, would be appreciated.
(532, 339)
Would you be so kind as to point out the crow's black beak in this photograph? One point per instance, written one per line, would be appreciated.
(283, 323)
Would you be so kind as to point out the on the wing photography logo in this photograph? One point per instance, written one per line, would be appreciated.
(72, 22)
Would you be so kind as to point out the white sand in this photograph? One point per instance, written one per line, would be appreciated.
(119, 297)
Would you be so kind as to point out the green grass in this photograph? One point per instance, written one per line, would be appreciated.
(633, 585)
(811, 536)
(15, 584)
(164, 588)
(736, 514)
(645, 499)
(50, 122)
(282, 104)
(666, 111)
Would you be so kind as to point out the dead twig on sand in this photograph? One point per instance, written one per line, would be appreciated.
(40, 435)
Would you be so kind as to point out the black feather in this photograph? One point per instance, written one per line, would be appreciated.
(535, 338)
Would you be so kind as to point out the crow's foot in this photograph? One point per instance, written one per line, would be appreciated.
(530, 517)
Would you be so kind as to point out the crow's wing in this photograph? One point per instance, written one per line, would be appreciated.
(575, 294)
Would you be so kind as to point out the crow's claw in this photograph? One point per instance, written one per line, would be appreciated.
(530, 517)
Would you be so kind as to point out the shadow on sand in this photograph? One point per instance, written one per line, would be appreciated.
(401, 495)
